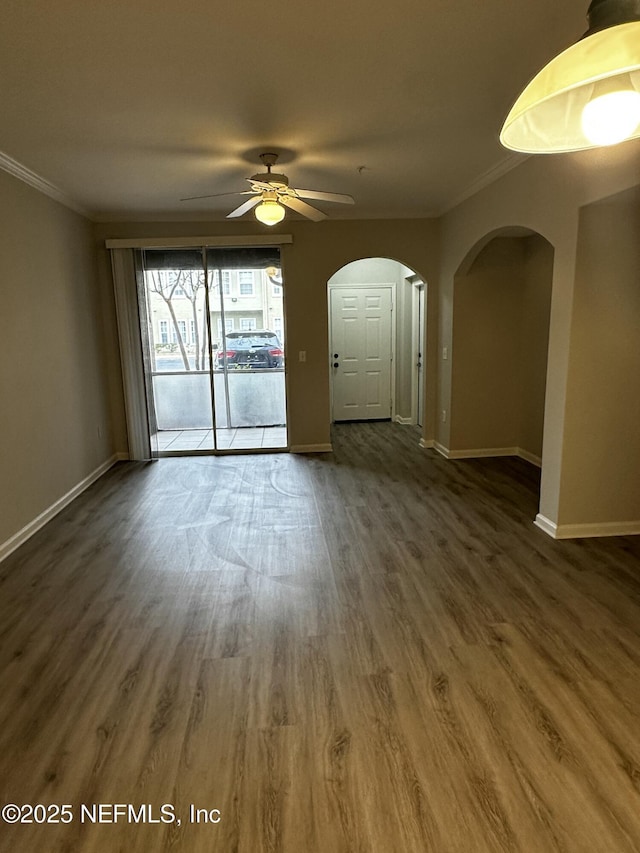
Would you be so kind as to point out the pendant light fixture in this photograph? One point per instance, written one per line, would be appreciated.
(589, 95)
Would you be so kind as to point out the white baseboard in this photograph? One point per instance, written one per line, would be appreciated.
(311, 448)
(404, 421)
(428, 444)
(530, 457)
(32, 527)
(544, 523)
(482, 452)
(486, 452)
(587, 531)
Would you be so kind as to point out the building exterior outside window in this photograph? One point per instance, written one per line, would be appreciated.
(245, 281)
(182, 329)
(251, 301)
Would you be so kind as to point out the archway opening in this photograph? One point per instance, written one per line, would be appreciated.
(499, 347)
(377, 340)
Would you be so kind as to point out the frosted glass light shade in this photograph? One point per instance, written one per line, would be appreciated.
(547, 117)
(269, 212)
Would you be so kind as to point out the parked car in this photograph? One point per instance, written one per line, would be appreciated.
(258, 348)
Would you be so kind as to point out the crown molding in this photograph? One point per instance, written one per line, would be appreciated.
(510, 162)
(13, 167)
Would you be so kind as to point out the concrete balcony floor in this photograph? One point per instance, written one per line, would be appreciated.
(242, 438)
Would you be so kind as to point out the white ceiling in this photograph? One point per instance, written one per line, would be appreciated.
(127, 106)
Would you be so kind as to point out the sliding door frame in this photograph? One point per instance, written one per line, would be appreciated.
(126, 284)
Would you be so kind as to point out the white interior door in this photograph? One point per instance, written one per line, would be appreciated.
(361, 352)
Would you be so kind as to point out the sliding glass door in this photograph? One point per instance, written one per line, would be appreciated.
(177, 331)
(213, 322)
(246, 310)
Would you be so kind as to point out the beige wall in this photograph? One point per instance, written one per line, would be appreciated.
(53, 379)
(499, 347)
(534, 341)
(602, 426)
(485, 351)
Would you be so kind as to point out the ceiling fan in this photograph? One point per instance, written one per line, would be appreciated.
(271, 194)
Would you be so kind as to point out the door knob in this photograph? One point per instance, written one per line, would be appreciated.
(335, 355)
(335, 364)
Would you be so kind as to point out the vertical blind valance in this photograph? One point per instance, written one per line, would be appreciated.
(172, 259)
(243, 258)
(224, 258)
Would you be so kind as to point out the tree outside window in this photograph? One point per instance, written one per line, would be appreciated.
(168, 284)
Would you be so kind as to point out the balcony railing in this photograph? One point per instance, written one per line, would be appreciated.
(183, 398)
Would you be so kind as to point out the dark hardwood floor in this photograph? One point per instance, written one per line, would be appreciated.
(370, 651)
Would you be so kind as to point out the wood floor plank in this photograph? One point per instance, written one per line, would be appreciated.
(369, 651)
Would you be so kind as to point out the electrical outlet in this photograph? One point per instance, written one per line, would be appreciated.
(302, 355)
(445, 353)
(444, 416)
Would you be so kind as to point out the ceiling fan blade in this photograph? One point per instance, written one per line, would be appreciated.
(215, 195)
(302, 207)
(340, 198)
(244, 207)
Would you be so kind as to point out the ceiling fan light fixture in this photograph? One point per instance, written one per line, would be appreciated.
(587, 96)
(270, 195)
(269, 212)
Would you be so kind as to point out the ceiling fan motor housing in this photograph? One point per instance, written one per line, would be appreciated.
(273, 178)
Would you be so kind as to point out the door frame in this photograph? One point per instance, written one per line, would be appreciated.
(132, 283)
(365, 286)
(418, 345)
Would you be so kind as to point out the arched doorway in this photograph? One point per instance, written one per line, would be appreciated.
(377, 309)
(499, 343)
